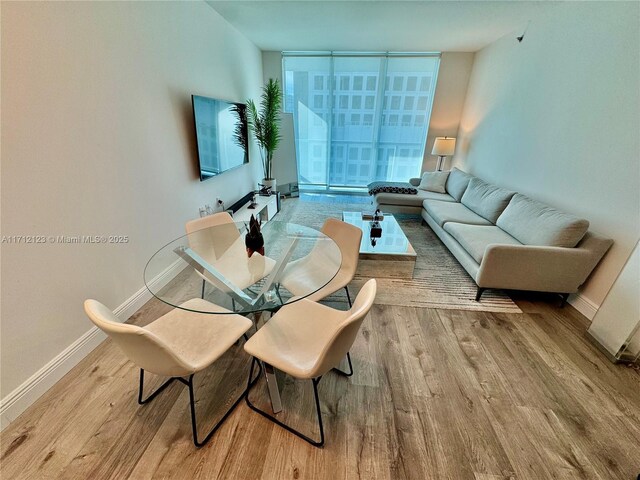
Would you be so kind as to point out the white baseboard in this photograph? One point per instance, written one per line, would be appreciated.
(35, 386)
(585, 306)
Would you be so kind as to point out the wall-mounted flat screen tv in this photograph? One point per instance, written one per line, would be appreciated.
(221, 134)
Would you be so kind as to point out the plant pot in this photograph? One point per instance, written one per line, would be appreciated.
(270, 182)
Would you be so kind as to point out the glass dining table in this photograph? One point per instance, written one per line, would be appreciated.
(214, 264)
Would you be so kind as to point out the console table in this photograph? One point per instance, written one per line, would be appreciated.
(265, 209)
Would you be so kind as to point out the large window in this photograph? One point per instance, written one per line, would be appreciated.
(359, 118)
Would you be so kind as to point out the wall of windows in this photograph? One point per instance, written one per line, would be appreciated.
(359, 118)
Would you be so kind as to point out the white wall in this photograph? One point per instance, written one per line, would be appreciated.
(557, 118)
(448, 103)
(98, 139)
(285, 168)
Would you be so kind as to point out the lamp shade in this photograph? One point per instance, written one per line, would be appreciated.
(444, 146)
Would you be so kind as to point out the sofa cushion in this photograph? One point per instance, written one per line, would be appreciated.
(457, 183)
(434, 182)
(443, 212)
(411, 200)
(475, 238)
(534, 223)
(486, 200)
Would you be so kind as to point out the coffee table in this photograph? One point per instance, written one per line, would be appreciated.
(390, 256)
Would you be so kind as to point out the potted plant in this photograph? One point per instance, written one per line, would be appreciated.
(265, 126)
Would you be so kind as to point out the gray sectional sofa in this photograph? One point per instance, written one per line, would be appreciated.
(503, 239)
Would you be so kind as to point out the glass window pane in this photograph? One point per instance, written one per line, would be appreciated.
(369, 102)
(404, 134)
(372, 83)
(408, 102)
(304, 87)
(359, 138)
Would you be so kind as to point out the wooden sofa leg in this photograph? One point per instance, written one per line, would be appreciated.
(479, 293)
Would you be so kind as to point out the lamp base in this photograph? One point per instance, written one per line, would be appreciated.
(441, 160)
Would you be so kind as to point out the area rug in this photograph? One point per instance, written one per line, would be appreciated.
(438, 280)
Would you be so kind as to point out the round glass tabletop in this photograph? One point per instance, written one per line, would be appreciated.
(215, 264)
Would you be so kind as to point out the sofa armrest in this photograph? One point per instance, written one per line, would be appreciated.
(414, 181)
(544, 269)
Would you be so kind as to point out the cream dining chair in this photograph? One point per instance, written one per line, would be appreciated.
(223, 247)
(177, 345)
(348, 238)
(306, 340)
(220, 218)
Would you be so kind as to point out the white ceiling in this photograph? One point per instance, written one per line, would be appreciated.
(378, 25)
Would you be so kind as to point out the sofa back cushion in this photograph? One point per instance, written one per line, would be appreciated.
(457, 183)
(534, 223)
(434, 182)
(486, 200)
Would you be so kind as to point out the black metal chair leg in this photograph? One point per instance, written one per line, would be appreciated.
(346, 289)
(192, 404)
(479, 293)
(336, 369)
(154, 394)
(301, 435)
(203, 284)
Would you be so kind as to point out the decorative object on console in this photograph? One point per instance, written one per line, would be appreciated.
(443, 147)
(253, 240)
(265, 190)
(434, 181)
(265, 126)
(253, 203)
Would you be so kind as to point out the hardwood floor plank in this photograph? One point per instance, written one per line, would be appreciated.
(436, 395)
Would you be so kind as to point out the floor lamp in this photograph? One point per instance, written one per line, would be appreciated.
(442, 147)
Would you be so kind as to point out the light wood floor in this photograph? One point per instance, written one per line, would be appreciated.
(436, 394)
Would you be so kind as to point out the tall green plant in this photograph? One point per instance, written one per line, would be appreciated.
(265, 124)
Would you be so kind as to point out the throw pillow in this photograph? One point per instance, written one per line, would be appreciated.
(434, 182)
